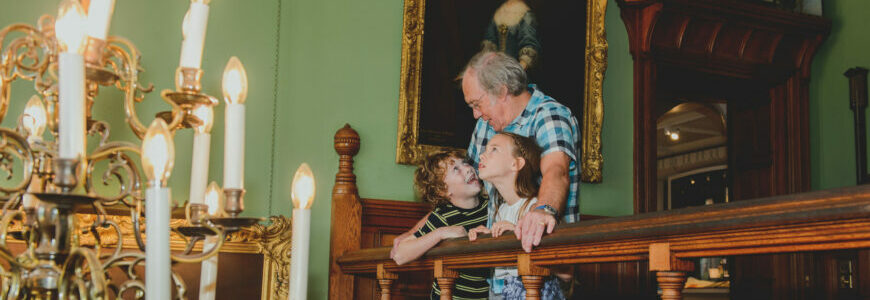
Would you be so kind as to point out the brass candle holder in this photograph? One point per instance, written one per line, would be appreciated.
(186, 97)
(235, 204)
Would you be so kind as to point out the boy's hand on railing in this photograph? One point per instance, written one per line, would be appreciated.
(472, 234)
(398, 240)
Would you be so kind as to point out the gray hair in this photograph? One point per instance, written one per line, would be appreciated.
(496, 69)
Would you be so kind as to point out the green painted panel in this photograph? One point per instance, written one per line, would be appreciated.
(832, 143)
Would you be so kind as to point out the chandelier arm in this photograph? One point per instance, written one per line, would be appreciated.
(11, 61)
(131, 284)
(20, 148)
(14, 288)
(121, 167)
(5, 253)
(180, 287)
(129, 74)
(13, 201)
(120, 243)
(195, 258)
(75, 264)
(135, 212)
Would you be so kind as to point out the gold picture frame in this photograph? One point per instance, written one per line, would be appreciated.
(410, 151)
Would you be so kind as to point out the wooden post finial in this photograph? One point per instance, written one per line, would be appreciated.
(345, 235)
(346, 141)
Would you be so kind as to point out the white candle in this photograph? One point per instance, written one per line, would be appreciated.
(70, 32)
(193, 29)
(71, 81)
(208, 272)
(209, 269)
(199, 167)
(157, 261)
(99, 18)
(234, 146)
(235, 90)
(299, 254)
(303, 197)
(158, 156)
(201, 145)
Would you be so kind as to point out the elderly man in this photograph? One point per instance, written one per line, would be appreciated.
(495, 87)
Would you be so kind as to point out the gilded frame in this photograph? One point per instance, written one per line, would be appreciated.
(409, 151)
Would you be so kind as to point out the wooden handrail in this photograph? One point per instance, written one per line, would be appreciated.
(821, 220)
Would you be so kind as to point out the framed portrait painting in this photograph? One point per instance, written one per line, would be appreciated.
(561, 43)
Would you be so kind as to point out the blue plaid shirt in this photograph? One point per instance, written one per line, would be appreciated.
(553, 126)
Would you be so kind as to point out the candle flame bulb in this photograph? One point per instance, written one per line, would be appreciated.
(205, 114)
(99, 18)
(34, 117)
(235, 82)
(303, 187)
(71, 27)
(213, 198)
(158, 152)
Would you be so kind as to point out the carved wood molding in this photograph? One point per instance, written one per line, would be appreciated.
(410, 151)
(728, 50)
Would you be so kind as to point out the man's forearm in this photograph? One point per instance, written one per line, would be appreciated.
(554, 189)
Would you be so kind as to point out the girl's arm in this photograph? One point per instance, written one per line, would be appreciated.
(414, 247)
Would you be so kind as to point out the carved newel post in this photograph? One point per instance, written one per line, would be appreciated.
(345, 235)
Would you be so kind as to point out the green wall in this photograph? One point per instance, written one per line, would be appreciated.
(315, 65)
(832, 143)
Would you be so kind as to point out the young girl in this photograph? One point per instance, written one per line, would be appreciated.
(512, 163)
(449, 183)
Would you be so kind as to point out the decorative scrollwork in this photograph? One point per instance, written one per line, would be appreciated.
(14, 147)
(26, 57)
(78, 269)
(275, 244)
(124, 59)
(122, 168)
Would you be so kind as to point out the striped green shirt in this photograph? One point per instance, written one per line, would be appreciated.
(471, 283)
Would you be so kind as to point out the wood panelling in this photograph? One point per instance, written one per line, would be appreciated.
(756, 60)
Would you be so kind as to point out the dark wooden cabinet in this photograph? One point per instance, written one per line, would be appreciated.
(757, 61)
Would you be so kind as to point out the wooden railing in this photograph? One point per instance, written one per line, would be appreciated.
(825, 220)
(822, 220)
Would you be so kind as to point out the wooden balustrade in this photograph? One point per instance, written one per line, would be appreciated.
(822, 220)
(815, 221)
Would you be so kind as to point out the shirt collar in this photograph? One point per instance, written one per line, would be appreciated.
(534, 101)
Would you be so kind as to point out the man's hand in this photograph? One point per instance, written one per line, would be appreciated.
(472, 234)
(530, 228)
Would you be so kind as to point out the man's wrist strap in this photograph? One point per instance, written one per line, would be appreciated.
(548, 209)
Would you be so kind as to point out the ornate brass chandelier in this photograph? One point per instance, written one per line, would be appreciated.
(70, 59)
